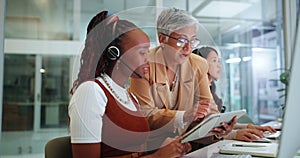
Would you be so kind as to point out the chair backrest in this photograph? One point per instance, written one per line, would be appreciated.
(59, 148)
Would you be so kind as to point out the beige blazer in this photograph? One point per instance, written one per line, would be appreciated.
(152, 92)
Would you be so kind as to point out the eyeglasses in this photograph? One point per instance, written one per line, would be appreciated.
(181, 42)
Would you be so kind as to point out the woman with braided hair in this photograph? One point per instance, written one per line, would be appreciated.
(92, 48)
(105, 120)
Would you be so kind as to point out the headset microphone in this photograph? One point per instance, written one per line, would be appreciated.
(114, 54)
(130, 68)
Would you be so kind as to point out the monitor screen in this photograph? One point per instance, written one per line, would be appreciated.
(290, 136)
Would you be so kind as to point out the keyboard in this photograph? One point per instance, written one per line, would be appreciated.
(275, 124)
(263, 140)
(217, 155)
(269, 135)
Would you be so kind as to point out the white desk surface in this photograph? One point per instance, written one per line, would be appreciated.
(214, 148)
(208, 151)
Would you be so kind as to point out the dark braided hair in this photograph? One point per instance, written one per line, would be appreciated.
(203, 52)
(94, 60)
(97, 19)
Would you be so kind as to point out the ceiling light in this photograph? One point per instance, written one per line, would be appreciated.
(247, 58)
(223, 9)
(233, 60)
(42, 70)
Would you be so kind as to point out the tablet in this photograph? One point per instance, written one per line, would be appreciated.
(227, 116)
(214, 120)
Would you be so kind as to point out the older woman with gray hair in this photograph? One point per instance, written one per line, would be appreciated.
(175, 92)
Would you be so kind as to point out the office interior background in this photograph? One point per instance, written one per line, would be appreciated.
(41, 41)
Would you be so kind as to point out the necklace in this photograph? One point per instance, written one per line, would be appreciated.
(174, 82)
(114, 92)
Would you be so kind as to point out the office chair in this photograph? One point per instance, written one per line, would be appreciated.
(59, 148)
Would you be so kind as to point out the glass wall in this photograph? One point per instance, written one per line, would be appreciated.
(42, 20)
(38, 69)
(55, 91)
(18, 96)
(250, 43)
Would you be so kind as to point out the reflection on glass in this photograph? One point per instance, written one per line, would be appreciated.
(55, 92)
(39, 19)
(18, 92)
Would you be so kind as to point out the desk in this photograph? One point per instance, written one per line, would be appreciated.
(208, 151)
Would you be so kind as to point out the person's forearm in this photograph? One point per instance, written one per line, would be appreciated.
(163, 117)
(179, 121)
(231, 135)
(240, 125)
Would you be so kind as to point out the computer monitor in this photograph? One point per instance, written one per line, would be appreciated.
(290, 136)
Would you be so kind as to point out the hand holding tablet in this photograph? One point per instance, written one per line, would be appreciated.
(210, 122)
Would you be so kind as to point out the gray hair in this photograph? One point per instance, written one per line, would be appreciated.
(172, 19)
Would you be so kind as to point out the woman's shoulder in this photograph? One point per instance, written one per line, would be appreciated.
(198, 61)
(87, 85)
(89, 93)
(155, 52)
(197, 58)
(89, 88)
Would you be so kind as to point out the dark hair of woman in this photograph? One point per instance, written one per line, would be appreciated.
(203, 52)
(100, 35)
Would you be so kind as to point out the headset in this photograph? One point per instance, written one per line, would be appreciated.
(114, 53)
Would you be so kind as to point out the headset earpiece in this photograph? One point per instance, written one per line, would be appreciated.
(113, 53)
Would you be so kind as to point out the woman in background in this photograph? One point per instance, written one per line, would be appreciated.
(244, 132)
